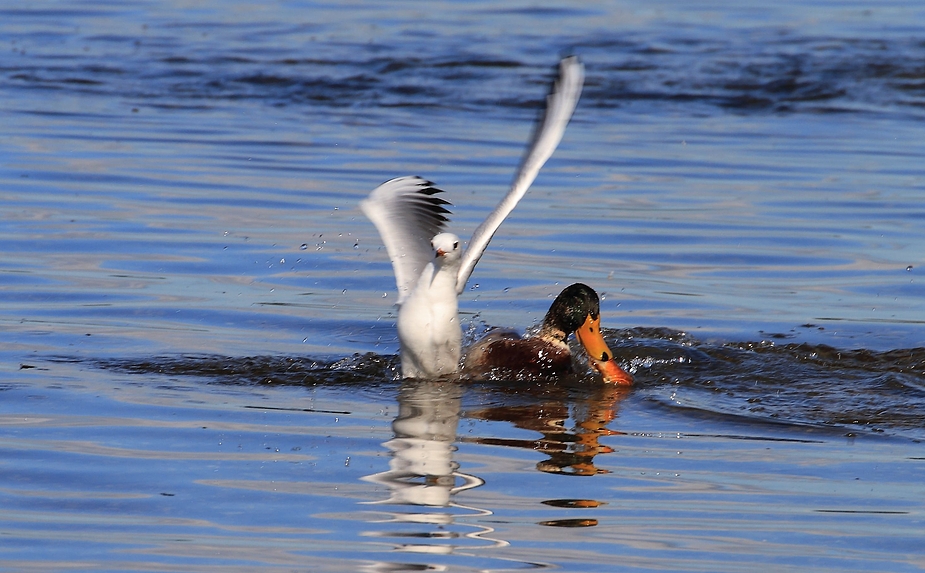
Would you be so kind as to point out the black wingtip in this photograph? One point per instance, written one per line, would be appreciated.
(427, 205)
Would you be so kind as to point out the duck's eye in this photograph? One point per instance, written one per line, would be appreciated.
(605, 357)
(590, 329)
(456, 245)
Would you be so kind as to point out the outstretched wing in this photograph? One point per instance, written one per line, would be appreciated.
(560, 104)
(407, 214)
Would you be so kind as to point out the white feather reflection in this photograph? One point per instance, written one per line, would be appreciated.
(423, 473)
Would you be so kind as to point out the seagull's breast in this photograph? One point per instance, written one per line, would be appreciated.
(428, 324)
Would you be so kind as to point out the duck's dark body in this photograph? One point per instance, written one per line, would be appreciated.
(505, 349)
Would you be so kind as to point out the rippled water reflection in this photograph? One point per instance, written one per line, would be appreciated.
(196, 322)
(163, 463)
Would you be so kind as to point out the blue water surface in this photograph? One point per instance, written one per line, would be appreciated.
(197, 325)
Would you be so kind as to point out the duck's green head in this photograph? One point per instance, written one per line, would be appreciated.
(578, 309)
(572, 308)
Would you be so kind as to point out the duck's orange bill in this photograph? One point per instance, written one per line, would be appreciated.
(589, 335)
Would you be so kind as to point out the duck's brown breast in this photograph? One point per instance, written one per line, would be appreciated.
(531, 355)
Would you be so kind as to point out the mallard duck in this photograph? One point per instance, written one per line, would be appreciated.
(431, 269)
(576, 310)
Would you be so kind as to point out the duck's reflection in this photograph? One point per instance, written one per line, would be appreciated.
(423, 473)
(570, 450)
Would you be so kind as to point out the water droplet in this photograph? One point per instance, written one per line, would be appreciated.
(506, 289)
(345, 291)
(282, 261)
(475, 286)
(909, 268)
(385, 294)
(303, 246)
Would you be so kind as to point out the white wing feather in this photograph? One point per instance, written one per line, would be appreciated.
(407, 215)
(560, 104)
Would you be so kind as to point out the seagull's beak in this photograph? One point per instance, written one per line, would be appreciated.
(589, 335)
(441, 253)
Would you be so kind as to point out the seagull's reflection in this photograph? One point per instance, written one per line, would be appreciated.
(423, 473)
(570, 450)
(422, 470)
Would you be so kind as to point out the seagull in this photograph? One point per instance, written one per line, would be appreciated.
(431, 268)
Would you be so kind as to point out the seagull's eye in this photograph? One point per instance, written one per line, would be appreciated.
(456, 245)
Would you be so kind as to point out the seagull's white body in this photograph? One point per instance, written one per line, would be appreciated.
(430, 268)
(428, 320)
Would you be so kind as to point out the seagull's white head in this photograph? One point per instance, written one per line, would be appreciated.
(446, 248)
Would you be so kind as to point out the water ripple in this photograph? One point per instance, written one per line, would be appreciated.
(761, 382)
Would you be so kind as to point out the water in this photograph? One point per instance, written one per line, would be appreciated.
(197, 338)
